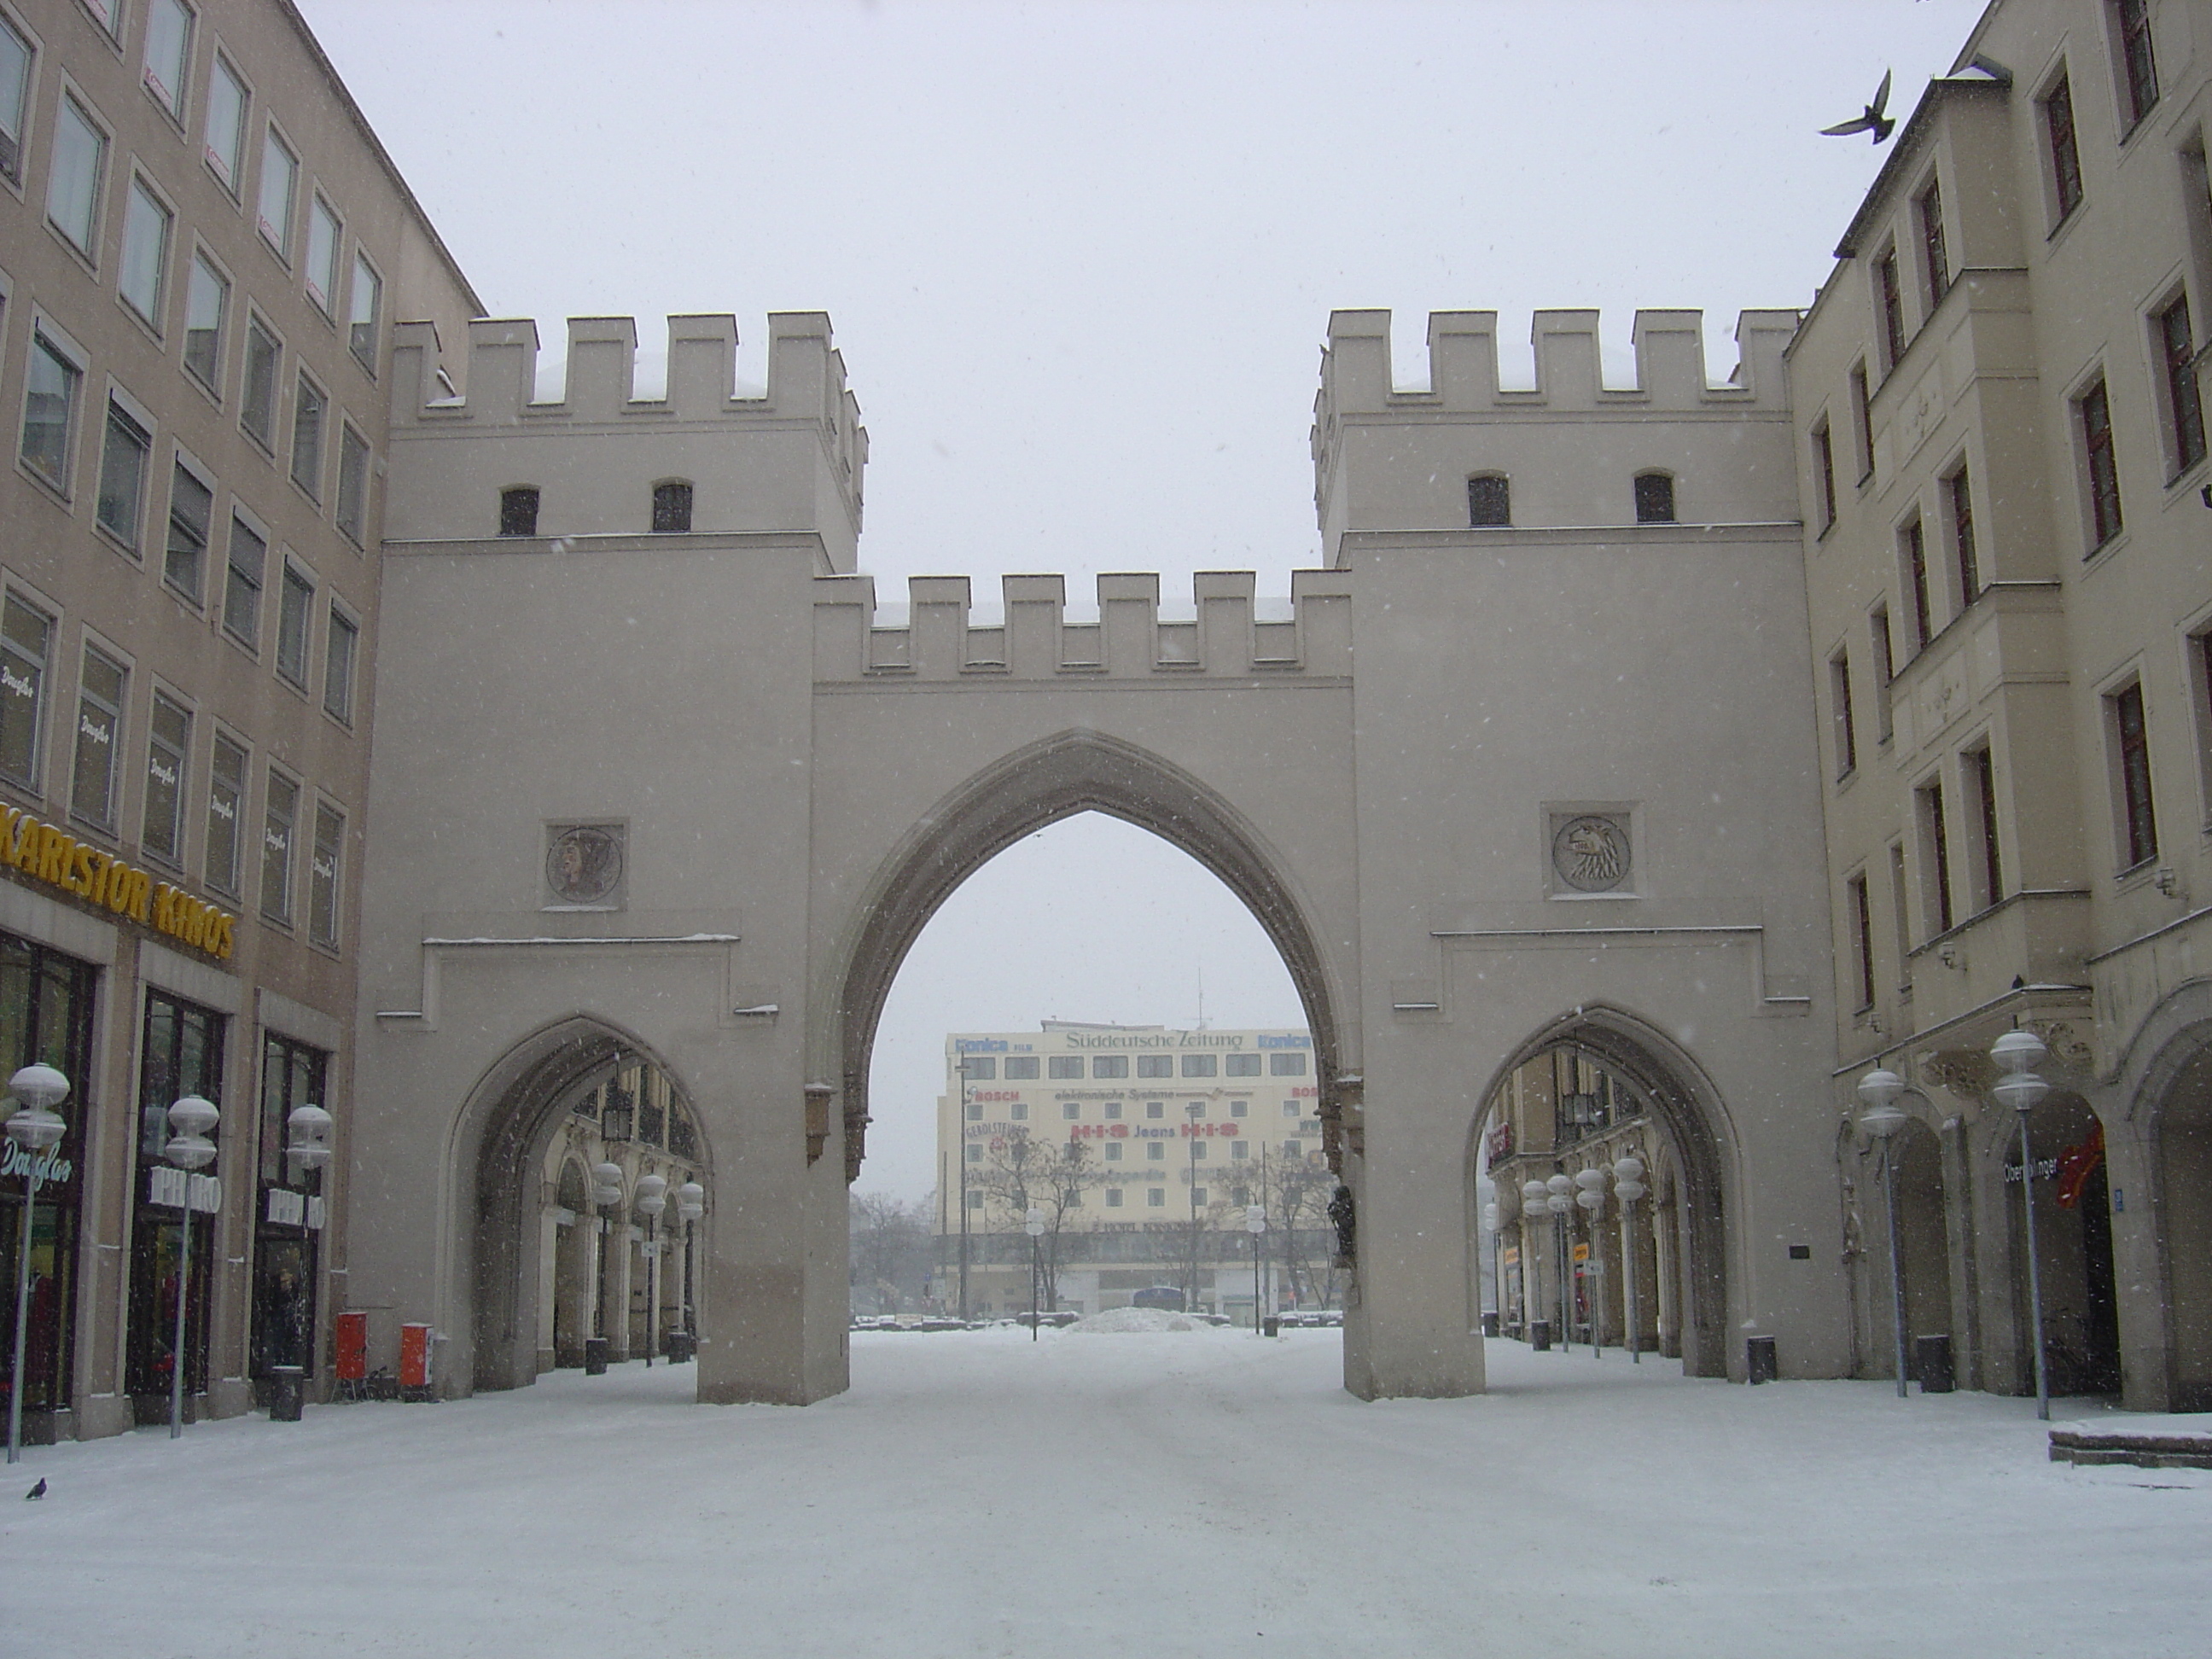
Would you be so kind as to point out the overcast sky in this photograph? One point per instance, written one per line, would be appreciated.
(1081, 261)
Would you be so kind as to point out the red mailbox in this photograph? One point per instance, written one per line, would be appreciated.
(413, 1356)
(353, 1347)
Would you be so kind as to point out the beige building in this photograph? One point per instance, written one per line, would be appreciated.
(1141, 1147)
(1998, 402)
(201, 252)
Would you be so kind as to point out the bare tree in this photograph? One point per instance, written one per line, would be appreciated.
(1298, 1195)
(890, 1247)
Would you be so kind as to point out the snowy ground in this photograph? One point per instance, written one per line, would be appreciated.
(1140, 1496)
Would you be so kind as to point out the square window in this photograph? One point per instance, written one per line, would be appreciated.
(1293, 1149)
(226, 814)
(1064, 1066)
(1287, 1065)
(1195, 1109)
(1239, 1149)
(1155, 1108)
(224, 130)
(168, 750)
(1239, 1107)
(1198, 1196)
(1290, 1109)
(975, 1154)
(207, 297)
(50, 410)
(1019, 1111)
(1157, 1151)
(280, 184)
(1109, 1066)
(1071, 1111)
(1198, 1149)
(192, 509)
(241, 593)
(1155, 1065)
(124, 458)
(1113, 1198)
(1113, 1151)
(1156, 1198)
(1114, 1108)
(1241, 1066)
(975, 1200)
(1200, 1065)
(99, 736)
(975, 1112)
(80, 157)
(295, 603)
(143, 271)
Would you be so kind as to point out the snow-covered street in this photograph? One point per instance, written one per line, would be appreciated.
(1143, 1496)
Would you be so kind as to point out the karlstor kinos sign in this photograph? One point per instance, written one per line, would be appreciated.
(60, 860)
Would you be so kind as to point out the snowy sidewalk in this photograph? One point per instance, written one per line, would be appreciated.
(1136, 1496)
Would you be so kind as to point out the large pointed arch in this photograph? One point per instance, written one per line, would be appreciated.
(502, 1136)
(1695, 1119)
(1056, 778)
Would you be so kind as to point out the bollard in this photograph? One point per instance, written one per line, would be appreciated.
(1272, 1325)
(287, 1388)
(680, 1348)
(1540, 1335)
(1490, 1324)
(595, 1356)
(1759, 1365)
(1934, 1355)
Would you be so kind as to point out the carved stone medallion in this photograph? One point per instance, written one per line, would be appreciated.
(585, 863)
(1590, 852)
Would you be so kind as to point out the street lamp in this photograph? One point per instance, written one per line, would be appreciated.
(2016, 1053)
(1590, 1194)
(1195, 1109)
(1255, 1222)
(1558, 1198)
(1490, 1223)
(606, 1193)
(1628, 1187)
(188, 1149)
(33, 1130)
(651, 1200)
(1535, 1204)
(1033, 1224)
(1882, 1120)
(691, 1204)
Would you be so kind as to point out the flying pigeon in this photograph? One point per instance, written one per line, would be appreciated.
(39, 1490)
(1873, 121)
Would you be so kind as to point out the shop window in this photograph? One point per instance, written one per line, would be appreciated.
(14, 98)
(517, 511)
(350, 512)
(45, 1015)
(257, 404)
(1200, 1066)
(280, 184)
(225, 815)
(180, 1053)
(1655, 498)
(1489, 501)
(26, 634)
(168, 752)
(295, 607)
(1287, 1065)
(168, 52)
(671, 508)
(56, 382)
(1155, 1065)
(338, 654)
(2101, 469)
(144, 273)
(1241, 1066)
(308, 439)
(78, 162)
(280, 819)
(125, 456)
(2138, 63)
(288, 1212)
(223, 130)
(244, 566)
(184, 557)
(1112, 1065)
(365, 313)
(98, 738)
(2127, 737)
(207, 297)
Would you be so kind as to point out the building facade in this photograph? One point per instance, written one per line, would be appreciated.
(201, 252)
(1998, 400)
(1142, 1148)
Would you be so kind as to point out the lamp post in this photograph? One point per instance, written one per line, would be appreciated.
(1535, 1204)
(1882, 1120)
(1255, 1222)
(34, 1130)
(691, 1204)
(1589, 1193)
(1628, 1187)
(189, 1150)
(606, 1193)
(306, 1150)
(1191, 1163)
(1558, 1201)
(651, 1200)
(2016, 1053)
(963, 1189)
(1491, 1225)
(1033, 1224)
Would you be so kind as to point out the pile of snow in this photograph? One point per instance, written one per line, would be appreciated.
(1115, 1321)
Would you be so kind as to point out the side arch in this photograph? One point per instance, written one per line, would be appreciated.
(1059, 776)
(1693, 1117)
(502, 1137)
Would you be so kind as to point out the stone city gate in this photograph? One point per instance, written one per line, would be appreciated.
(655, 777)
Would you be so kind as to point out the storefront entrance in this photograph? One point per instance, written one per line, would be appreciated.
(182, 1055)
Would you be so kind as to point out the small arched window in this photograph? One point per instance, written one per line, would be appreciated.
(1655, 498)
(1489, 500)
(671, 508)
(517, 511)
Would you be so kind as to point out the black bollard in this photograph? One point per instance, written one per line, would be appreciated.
(287, 1389)
(1934, 1353)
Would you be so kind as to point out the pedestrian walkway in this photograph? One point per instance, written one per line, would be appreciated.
(1206, 1492)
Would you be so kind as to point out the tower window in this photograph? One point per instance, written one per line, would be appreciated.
(1655, 498)
(671, 508)
(517, 511)
(1489, 501)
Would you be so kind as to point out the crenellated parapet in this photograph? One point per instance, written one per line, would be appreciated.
(1427, 443)
(788, 456)
(941, 640)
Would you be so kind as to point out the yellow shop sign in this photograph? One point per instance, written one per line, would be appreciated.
(61, 860)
